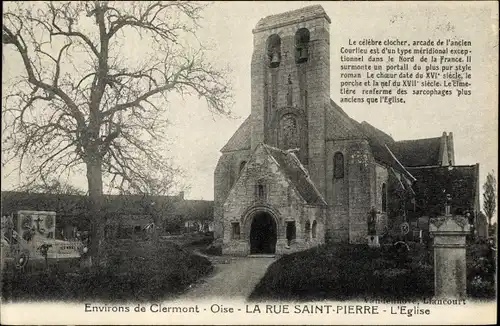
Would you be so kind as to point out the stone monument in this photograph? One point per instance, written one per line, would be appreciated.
(372, 237)
(450, 271)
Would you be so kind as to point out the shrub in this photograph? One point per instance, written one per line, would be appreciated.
(342, 272)
(214, 248)
(481, 270)
(134, 272)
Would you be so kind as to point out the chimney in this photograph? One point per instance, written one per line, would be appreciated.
(451, 149)
(443, 151)
(181, 195)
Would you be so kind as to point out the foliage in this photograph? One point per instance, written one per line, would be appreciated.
(481, 270)
(343, 272)
(346, 272)
(135, 272)
(489, 196)
(173, 225)
(214, 249)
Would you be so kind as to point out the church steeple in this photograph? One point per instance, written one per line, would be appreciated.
(291, 83)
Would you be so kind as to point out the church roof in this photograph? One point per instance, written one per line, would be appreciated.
(408, 153)
(344, 127)
(378, 141)
(292, 16)
(396, 154)
(241, 138)
(297, 174)
(433, 183)
(418, 152)
(341, 125)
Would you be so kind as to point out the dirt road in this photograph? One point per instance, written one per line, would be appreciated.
(235, 279)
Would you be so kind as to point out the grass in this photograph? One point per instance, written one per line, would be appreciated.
(135, 272)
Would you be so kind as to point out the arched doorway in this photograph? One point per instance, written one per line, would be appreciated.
(263, 234)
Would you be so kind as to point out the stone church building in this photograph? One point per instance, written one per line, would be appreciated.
(299, 171)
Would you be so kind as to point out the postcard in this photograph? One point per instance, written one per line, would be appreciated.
(249, 162)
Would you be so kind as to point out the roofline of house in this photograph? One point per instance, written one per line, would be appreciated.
(399, 163)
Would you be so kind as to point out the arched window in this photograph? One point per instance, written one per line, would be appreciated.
(384, 197)
(288, 132)
(274, 50)
(314, 227)
(338, 166)
(302, 38)
(260, 191)
(242, 165)
(307, 231)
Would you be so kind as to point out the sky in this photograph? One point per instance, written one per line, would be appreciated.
(196, 136)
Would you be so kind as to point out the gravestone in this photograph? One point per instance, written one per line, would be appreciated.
(481, 226)
(371, 222)
(449, 233)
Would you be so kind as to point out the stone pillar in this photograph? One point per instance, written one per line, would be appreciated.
(450, 270)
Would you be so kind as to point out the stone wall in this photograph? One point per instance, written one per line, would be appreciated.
(361, 177)
(282, 201)
(351, 197)
(381, 178)
(337, 192)
(226, 173)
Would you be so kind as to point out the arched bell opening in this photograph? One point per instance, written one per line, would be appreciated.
(302, 38)
(274, 50)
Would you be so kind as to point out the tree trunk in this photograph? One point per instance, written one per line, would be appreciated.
(94, 178)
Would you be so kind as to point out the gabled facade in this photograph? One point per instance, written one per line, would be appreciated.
(273, 206)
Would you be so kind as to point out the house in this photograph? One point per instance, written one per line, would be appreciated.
(126, 215)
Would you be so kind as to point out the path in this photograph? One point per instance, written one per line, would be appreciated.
(233, 278)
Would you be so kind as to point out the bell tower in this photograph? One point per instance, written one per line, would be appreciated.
(290, 83)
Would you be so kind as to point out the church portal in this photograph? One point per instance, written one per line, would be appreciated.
(263, 234)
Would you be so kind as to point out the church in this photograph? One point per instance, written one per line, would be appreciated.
(300, 172)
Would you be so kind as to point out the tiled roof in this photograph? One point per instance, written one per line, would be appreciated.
(13, 201)
(305, 13)
(297, 174)
(418, 152)
(410, 153)
(339, 125)
(75, 206)
(241, 138)
(378, 141)
(377, 133)
(432, 185)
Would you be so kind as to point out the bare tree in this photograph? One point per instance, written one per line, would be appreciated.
(489, 196)
(84, 100)
(52, 186)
